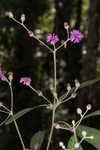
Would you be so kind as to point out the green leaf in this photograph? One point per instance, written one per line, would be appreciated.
(21, 113)
(71, 144)
(96, 113)
(90, 132)
(82, 85)
(37, 140)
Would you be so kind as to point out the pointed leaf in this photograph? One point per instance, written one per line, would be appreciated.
(71, 144)
(21, 113)
(96, 113)
(90, 132)
(37, 140)
(82, 85)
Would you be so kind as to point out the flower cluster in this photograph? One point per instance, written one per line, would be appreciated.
(74, 36)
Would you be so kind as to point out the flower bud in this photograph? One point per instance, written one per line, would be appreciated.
(22, 17)
(79, 111)
(61, 144)
(56, 125)
(76, 146)
(89, 106)
(10, 14)
(77, 84)
(39, 92)
(54, 93)
(10, 75)
(70, 129)
(49, 106)
(84, 133)
(63, 147)
(74, 95)
(73, 122)
(91, 137)
(30, 33)
(68, 86)
(66, 25)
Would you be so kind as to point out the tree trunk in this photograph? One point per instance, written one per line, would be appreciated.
(88, 95)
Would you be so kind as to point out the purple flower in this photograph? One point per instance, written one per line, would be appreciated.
(75, 36)
(25, 80)
(52, 38)
(2, 77)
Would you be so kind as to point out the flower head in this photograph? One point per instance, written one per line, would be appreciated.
(25, 80)
(52, 38)
(75, 36)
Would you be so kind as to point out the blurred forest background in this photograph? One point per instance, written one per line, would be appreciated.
(26, 57)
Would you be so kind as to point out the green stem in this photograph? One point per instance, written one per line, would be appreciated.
(15, 123)
(54, 104)
(19, 134)
(4, 111)
(62, 44)
(35, 37)
(78, 122)
(8, 111)
(54, 57)
(11, 91)
(41, 95)
(51, 131)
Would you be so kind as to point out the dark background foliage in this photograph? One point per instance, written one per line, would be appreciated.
(26, 57)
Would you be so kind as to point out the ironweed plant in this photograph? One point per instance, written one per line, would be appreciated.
(79, 132)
